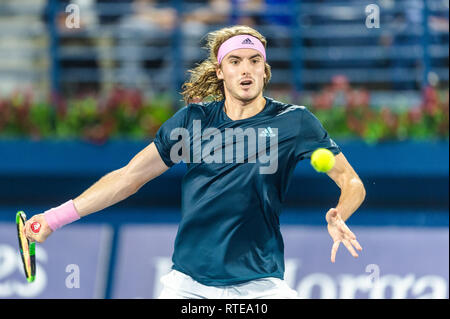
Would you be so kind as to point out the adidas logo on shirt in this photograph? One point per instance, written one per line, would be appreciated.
(267, 132)
(247, 41)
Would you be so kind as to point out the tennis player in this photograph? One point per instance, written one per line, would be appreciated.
(229, 243)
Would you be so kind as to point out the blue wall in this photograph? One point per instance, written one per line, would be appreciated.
(401, 174)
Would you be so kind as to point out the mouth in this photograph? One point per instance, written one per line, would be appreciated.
(245, 84)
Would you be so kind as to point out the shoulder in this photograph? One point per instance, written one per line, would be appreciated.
(192, 111)
(280, 108)
(201, 109)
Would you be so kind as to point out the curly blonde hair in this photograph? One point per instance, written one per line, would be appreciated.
(203, 83)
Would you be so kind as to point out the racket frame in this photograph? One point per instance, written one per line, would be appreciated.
(27, 249)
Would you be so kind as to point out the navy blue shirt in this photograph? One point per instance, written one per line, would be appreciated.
(237, 177)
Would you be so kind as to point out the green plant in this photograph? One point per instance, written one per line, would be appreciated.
(122, 113)
(345, 113)
(125, 113)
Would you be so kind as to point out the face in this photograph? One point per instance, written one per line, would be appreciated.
(242, 72)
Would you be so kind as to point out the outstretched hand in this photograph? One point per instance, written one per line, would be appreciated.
(340, 233)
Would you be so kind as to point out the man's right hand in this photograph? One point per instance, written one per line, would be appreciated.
(43, 232)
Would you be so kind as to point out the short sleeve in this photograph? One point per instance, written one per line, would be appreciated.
(312, 136)
(163, 141)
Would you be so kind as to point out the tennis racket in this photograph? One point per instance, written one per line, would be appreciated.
(27, 248)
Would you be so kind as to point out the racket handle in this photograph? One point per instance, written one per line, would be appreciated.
(35, 227)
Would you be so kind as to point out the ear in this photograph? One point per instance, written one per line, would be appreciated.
(219, 73)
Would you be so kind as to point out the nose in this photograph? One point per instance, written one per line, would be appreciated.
(246, 66)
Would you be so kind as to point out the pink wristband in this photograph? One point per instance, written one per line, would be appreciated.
(62, 215)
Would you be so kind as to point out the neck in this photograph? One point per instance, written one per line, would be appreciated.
(238, 110)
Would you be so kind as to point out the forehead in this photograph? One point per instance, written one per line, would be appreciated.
(243, 53)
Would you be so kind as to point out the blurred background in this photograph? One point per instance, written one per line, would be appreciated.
(85, 85)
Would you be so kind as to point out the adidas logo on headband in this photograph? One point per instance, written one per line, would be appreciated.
(247, 41)
(242, 41)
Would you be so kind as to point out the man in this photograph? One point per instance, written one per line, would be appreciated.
(229, 243)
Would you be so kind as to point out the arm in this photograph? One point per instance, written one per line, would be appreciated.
(352, 188)
(122, 183)
(110, 189)
(352, 195)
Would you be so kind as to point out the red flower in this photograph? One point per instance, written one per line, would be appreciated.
(324, 100)
(389, 118)
(415, 115)
(340, 83)
(60, 104)
(430, 100)
(358, 99)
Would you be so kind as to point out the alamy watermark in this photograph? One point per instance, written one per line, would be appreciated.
(73, 279)
(374, 274)
(73, 18)
(233, 145)
(373, 16)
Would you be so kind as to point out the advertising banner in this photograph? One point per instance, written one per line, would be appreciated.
(72, 263)
(395, 263)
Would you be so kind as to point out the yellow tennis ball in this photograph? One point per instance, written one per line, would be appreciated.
(322, 160)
